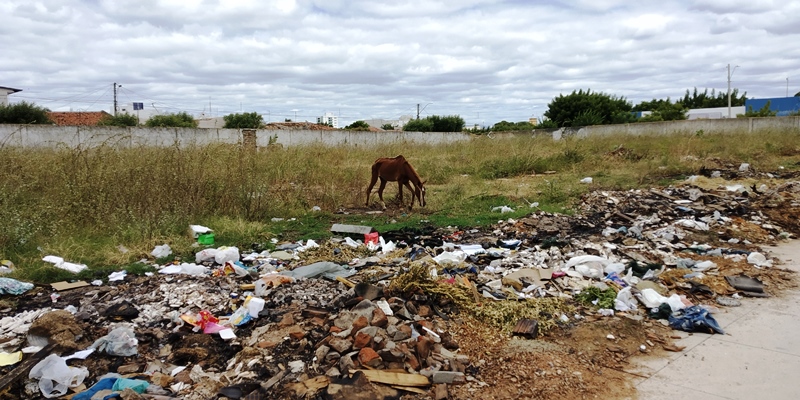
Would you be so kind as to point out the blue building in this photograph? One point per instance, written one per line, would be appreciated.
(782, 105)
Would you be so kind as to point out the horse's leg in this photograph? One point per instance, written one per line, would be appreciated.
(380, 192)
(400, 191)
(372, 184)
(413, 193)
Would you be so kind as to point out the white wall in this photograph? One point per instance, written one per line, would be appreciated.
(73, 136)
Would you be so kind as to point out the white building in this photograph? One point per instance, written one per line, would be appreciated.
(714, 113)
(329, 119)
(395, 123)
(137, 109)
(4, 92)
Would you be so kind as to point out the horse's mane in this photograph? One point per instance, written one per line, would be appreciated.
(413, 171)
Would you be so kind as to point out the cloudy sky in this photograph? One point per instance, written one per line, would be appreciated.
(485, 60)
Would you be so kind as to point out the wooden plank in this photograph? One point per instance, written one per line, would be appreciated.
(394, 378)
(345, 281)
(410, 389)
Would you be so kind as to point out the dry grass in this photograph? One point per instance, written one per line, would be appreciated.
(83, 203)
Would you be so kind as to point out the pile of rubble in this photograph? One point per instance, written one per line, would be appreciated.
(379, 316)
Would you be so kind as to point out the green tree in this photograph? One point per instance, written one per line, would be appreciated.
(512, 126)
(419, 125)
(436, 123)
(387, 127)
(122, 119)
(547, 124)
(243, 121)
(358, 126)
(661, 110)
(179, 120)
(713, 100)
(763, 112)
(23, 113)
(594, 108)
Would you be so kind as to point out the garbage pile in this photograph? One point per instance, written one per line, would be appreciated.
(372, 316)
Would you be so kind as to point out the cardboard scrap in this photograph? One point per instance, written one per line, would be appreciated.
(64, 285)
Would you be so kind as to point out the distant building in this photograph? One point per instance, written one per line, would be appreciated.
(784, 106)
(395, 123)
(4, 92)
(77, 118)
(139, 110)
(714, 113)
(210, 122)
(329, 119)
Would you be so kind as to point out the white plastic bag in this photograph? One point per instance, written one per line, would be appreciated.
(625, 300)
(161, 251)
(225, 254)
(55, 376)
(205, 255)
(121, 341)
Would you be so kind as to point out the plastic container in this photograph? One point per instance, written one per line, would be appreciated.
(206, 239)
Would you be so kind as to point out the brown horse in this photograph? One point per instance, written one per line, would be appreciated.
(399, 170)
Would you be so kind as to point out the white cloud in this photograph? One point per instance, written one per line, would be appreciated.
(371, 59)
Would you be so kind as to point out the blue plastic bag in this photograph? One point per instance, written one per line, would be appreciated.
(695, 319)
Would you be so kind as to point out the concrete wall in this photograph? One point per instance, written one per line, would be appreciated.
(749, 125)
(75, 136)
(83, 136)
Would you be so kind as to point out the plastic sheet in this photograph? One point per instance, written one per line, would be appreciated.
(325, 269)
(55, 377)
(625, 300)
(65, 265)
(121, 341)
(226, 254)
(695, 319)
(13, 286)
(184, 268)
(161, 251)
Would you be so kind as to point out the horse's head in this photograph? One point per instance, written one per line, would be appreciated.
(422, 194)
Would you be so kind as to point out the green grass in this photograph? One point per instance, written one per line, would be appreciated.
(82, 204)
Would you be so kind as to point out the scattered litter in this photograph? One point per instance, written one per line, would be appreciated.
(65, 265)
(13, 286)
(695, 319)
(161, 251)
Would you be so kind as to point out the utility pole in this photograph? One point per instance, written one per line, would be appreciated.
(115, 99)
(730, 73)
(417, 110)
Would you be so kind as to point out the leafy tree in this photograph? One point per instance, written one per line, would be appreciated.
(23, 113)
(122, 119)
(179, 120)
(243, 121)
(436, 123)
(797, 94)
(547, 124)
(704, 100)
(387, 127)
(662, 110)
(763, 112)
(358, 126)
(512, 126)
(586, 107)
(419, 125)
